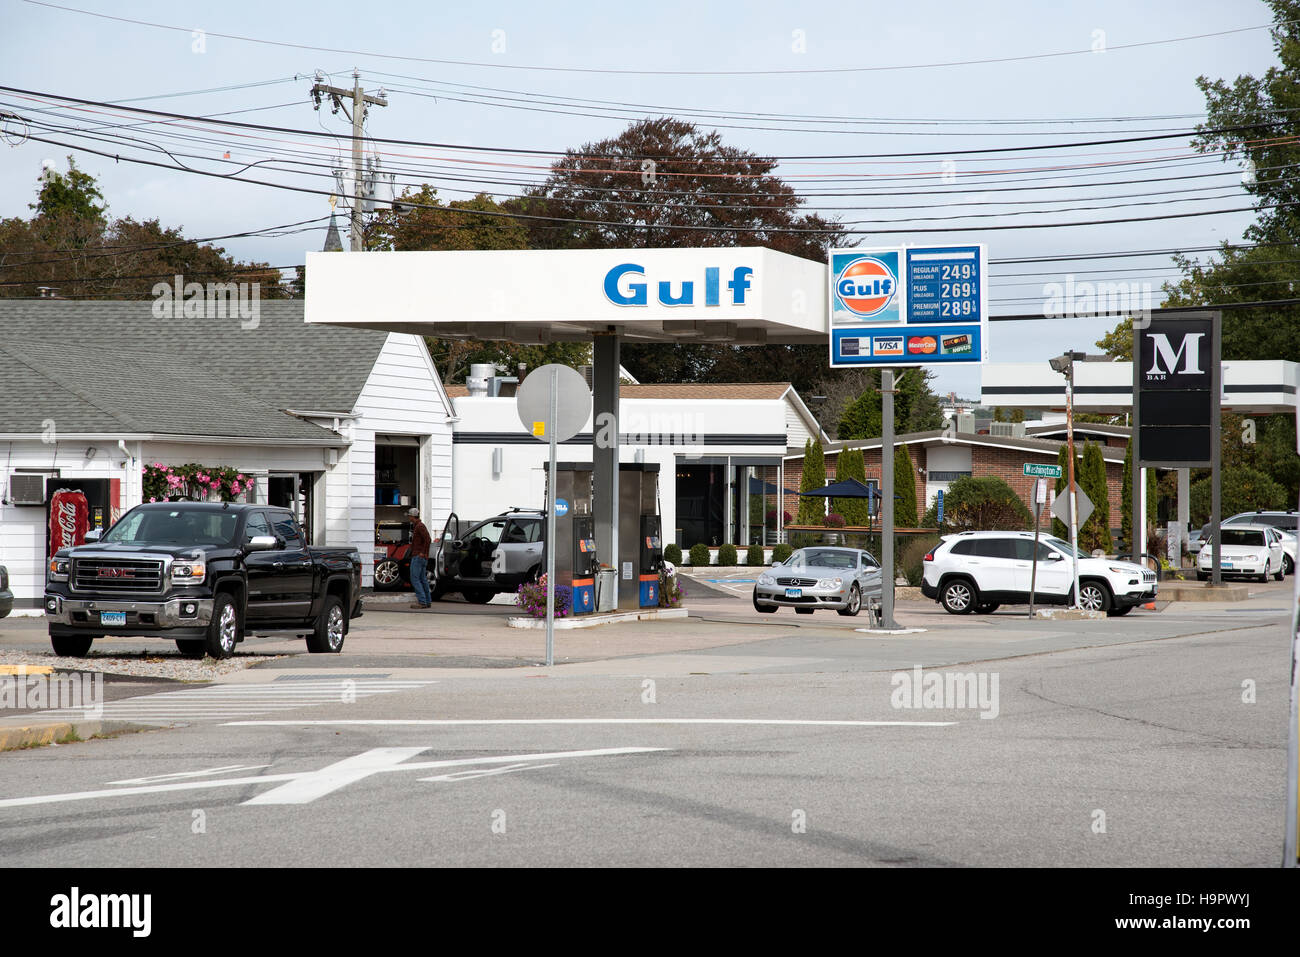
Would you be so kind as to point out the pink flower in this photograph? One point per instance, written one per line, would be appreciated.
(153, 499)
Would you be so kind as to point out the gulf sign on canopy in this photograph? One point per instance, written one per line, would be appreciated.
(908, 306)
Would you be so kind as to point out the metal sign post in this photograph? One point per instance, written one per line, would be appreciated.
(550, 522)
(553, 404)
(1040, 497)
(887, 500)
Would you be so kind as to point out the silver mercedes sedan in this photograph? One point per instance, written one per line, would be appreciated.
(820, 577)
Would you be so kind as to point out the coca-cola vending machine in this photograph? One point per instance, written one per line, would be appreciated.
(75, 506)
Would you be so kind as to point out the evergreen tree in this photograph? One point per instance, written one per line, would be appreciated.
(851, 464)
(1095, 532)
(905, 488)
(812, 510)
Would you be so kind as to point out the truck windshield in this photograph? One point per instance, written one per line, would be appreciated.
(174, 527)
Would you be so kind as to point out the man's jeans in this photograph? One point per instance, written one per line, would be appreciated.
(420, 579)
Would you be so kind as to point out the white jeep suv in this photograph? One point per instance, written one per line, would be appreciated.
(978, 571)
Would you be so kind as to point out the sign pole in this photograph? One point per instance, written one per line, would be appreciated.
(887, 499)
(1040, 485)
(550, 524)
(1074, 508)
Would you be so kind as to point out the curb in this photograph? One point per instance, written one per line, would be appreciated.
(1070, 614)
(13, 737)
(591, 621)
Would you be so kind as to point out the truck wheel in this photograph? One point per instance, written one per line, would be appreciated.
(71, 646)
(329, 635)
(388, 574)
(223, 630)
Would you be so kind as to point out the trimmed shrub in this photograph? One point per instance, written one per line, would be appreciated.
(911, 558)
(811, 510)
(1243, 489)
(727, 554)
(850, 465)
(781, 552)
(834, 520)
(982, 504)
(673, 553)
(905, 488)
(700, 554)
(754, 555)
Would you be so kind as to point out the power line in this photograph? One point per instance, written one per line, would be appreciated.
(830, 230)
(522, 151)
(594, 70)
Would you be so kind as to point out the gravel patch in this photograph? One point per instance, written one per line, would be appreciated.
(170, 667)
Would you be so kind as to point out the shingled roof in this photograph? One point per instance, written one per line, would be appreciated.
(112, 367)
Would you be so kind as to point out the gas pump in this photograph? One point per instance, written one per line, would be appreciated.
(575, 534)
(652, 554)
(639, 538)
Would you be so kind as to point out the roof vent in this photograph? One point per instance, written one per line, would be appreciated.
(480, 377)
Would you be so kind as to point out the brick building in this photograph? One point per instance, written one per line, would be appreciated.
(941, 457)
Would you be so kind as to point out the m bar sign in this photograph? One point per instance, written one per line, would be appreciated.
(1177, 389)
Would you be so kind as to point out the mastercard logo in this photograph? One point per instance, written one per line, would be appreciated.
(866, 286)
(922, 344)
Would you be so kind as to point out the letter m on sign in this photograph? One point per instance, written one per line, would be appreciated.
(1165, 357)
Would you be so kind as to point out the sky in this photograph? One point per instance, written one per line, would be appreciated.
(910, 66)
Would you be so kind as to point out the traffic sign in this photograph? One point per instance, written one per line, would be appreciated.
(1061, 507)
(940, 506)
(1040, 491)
(1042, 471)
(908, 306)
(572, 402)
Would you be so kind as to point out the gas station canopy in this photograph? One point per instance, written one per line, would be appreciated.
(1259, 386)
(746, 296)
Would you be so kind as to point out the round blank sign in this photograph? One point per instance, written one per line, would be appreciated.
(572, 402)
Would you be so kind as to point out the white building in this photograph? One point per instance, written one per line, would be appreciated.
(719, 447)
(347, 426)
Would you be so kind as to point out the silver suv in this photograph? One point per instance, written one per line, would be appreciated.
(978, 571)
(496, 555)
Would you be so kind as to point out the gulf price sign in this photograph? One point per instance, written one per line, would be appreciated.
(908, 306)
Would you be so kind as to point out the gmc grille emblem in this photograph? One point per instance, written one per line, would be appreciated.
(116, 573)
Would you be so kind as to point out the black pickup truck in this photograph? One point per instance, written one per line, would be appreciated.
(203, 574)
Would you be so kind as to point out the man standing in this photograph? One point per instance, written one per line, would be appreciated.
(420, 542)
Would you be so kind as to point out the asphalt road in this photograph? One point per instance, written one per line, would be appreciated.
(722, 740)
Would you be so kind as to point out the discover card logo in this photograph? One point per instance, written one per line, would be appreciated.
(945, 691)
(76, 910)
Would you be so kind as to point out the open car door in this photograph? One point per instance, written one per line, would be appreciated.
(448, 558)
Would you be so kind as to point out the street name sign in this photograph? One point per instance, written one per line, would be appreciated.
(1042, 471)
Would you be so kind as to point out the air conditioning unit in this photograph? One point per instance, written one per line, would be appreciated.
(27, 488)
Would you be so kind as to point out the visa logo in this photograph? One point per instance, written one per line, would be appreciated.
(623, 289)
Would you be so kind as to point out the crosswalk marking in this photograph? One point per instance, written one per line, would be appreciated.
(223, 702)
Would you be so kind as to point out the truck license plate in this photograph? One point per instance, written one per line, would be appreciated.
(794, 593)
(112, 618)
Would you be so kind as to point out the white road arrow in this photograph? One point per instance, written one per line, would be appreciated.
(303, 786)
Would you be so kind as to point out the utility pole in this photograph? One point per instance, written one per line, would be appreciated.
(361, 101)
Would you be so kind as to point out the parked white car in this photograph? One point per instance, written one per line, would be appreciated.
(1247, 551)
(979, 571)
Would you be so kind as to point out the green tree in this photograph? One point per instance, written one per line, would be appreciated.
(1243, 489)
(904, 488)
(1126, 499)
(812, 510)
(916, 407)
(607, 193)
(1095, 532)
(72, 245)
(74, 193)
(850, 464)
(981, 504)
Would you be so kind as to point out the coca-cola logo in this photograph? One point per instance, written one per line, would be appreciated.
(67, 520)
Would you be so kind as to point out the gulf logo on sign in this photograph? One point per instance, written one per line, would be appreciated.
(866, 286)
